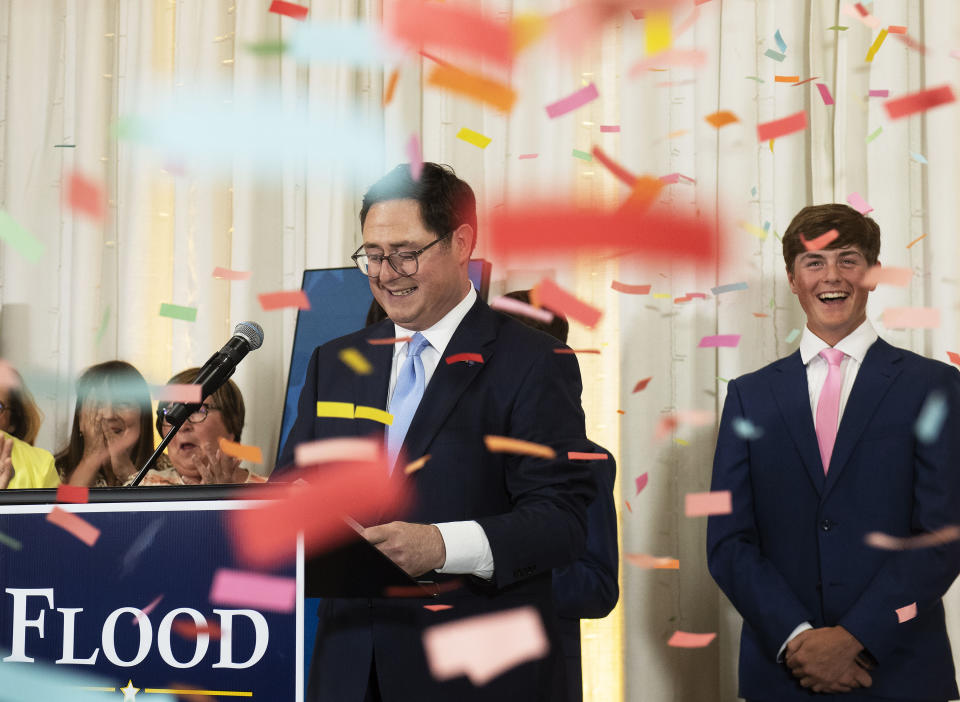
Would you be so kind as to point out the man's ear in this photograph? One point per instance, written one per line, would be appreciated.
(462, 238)
(793, 284)
(875, 265)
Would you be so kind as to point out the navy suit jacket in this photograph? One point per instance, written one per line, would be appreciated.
(533, 510)
(793, 549)
(588, 588)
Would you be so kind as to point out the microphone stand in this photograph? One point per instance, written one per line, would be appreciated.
(156, 454)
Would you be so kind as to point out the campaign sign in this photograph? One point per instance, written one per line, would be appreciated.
(135, 608)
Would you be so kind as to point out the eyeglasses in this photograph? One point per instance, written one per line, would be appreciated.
(3, 407)
(195, 418)
(405, 263)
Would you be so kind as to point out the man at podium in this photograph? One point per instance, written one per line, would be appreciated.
(487, 527)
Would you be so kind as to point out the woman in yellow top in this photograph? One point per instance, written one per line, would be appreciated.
(21, 465)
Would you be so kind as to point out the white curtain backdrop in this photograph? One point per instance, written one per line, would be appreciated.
(73, 71)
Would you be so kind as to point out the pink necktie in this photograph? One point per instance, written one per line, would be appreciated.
(828, 408)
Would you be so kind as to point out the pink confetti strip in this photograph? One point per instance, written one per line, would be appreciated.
(704, 504)
(641, 482)
(887, 275)
(415, 157)
(879, 93)
(911, 318)
(684, 639)
(187, 393)
(630, 289)
(146, 610)
(330, 450)
(858, 203)
(508, 304)
(284, 298)
(609, 128)
(228, 274)
(727, 340)
(825, 94)
(796, 122)
(919, 102)
(438, 608)
(525, 156)
(75, 525)
(906, 613)
(573, 101)
(246, 589)
(549, 294)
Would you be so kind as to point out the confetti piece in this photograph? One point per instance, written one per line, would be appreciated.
(641, 385)
(642, 560)
(775, 55)
(727, 340)
(250, 454)
(573, 101)
(782, 127)
(549, 294)
(525, 156)
(858, 11)
(804, 81)
(760, 314)
(391, 340)
(704, 504)
(922, 236)
(438, 607)
(228, 274)
(266, 48)
(906, 613)
(758, 79)
(187, 314)
(245, 589)
(391, 88)
(875, 47)
(621, 173)
(641, 482)
(879, 93)
(74, 494)
(657, 31)
(509, 304)
(954, 357)
(919, 158)
(10, 542)
(483, 647)
(191, 630)
(643, 194)
(374, 414)
(355, 361)
(464, 358)
(781, 44)
(474, 86)
(85, 196)
(415, 156)
(897, 29)
(284, 298)
(289, 9)
(472, 137)
(609, 128)
(578, 456)
(342, 449)
(878, 539)
(681, 442)
(919, 101)
(874, 134)
(343, 410)
(103, 325)
(821, 241)
(746, 430)
(178, 392)
(754, 230)
(75, 525)
(504, 444)
(458, 27)
(786, 79)
(931, 418)
(900, 277)
(792, 336)
(416, 465)
(630, 289)
(149, 608)
(20, 239)
(672, 420)
(721, 118)
(627, 503)
(911, 318)
(729, 287)
(825, 94)
(661, 296)
(582, 155)
(684, 639)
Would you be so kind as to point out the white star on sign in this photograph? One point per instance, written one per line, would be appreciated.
(129, 692)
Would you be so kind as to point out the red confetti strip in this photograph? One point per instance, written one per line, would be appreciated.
(577, 456)
(796, 122)
(642, 384)
(621, 173)
(458, 357)
(284, 298)
(228, 274)
(954, 357)
(85, 196)
(190, 629)
(74, 494)
(549, 294)
(391, 86)
(896, 29)
(630, 289)
(804, 81)
(458, 27)
(289, 9)
(920, 101)
(819, 242)
(77, 526)
(628, 505)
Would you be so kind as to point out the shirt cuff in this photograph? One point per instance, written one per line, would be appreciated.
(793, 634)
(468, 550)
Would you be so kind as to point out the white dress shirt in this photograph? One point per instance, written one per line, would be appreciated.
(855, 346)
(466, 544)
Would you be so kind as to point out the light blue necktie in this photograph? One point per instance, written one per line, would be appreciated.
(406, 396)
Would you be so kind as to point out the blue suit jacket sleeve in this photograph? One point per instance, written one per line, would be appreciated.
(747, 577)
(924, 575)
(302, 429)
(588, 588)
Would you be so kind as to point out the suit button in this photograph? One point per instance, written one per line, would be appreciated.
(827, 525)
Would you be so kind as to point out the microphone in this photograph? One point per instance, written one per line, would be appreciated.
(247, 337)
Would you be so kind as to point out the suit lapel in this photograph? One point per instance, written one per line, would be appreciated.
(873, 381)
(371, 390)
(793, 397)
(476, 334)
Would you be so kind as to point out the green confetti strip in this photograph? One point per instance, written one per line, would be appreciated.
(756, 78)
(25, 243)
(10, 541)
(266, 48)
(722, 380)
(103, 325)
(583, 155)
(838, 28)
(792, 336)
(873, 135)
(187, 314)
(775, 55)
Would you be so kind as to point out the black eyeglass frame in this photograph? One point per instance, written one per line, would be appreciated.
(203, 411)
(390, 258)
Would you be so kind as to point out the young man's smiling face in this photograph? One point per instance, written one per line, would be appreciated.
(828, 285)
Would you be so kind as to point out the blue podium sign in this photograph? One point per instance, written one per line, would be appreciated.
(135, 607)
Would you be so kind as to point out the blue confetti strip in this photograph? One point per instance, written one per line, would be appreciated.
(745, 429)
(931, 418)
(729, 287)
(780, 42)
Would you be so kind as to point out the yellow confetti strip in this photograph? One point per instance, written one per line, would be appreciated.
(504, 444)
(416, 465)
(527, 28)
(356, 361)
(875, 47)
(343, 410)
(682, 442)
(657, 36)
(662, 296)
(377, 415)
(755, 230)
(472, 137)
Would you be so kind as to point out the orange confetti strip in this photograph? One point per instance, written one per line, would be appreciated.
(819, 242)
(251, 454)
(896, 29)
(620, 411)
(704, 504)
(227, 274)
(391, 86)
(924, 236)
(504, 444)
(75, 525)
(392, 340)
(621, 173)
(684, 639)
(954, 357)
(878, 539)
(579, 456)
(803, 82)
(284, 298)
(721, 118)
(437, 608)
(786, 79)
(678, 133)
(630, 289)
(760, 314)
(911, 318)
(416, 465)
(642, 560)
(190, 630)
(573, 351)
(627, 502)
(549, 294)
(473, 86)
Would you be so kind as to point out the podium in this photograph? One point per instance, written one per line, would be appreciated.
(135, 607)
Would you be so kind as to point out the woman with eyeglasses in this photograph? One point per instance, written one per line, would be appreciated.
(21, 464)
(111, 436)
(194, 455)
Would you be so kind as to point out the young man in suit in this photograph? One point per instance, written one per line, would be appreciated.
(838, 458)
(498, 523)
